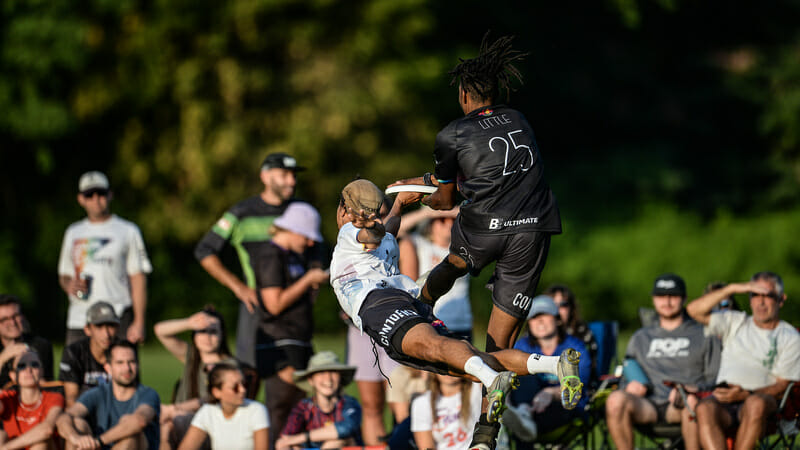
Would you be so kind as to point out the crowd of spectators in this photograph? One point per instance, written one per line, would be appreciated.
(733, 366)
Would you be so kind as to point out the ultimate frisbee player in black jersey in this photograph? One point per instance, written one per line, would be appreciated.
(490, 156)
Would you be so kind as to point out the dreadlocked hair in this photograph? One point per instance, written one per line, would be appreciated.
(485, 75)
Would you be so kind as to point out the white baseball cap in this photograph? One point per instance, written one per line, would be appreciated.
(93, 180)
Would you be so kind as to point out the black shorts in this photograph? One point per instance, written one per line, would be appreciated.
(271, 359)
(733, 410)
(387, 315)
(520, 260)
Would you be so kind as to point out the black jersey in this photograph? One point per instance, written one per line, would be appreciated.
(277, 267)
(79, 366)
(246, 226)
(492, 154)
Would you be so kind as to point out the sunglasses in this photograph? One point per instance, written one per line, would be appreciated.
(32, 365)
(564, 305)
(91, 193)
(237, 388)
(725, 303)
(209, 330)
(771, 295)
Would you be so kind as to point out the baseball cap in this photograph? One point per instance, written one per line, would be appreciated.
(100, 313)
(669, 284)
(543, 304)
(281, 161)
(300, 218)
(362, 195)
(93, 180)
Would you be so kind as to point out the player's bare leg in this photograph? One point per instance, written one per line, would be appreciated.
(502, 330)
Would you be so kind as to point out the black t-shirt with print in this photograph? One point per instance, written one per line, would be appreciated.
(79, 366)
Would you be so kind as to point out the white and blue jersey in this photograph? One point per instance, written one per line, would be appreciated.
(357, 271)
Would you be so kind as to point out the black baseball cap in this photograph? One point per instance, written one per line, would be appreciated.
(669, 284)
(281, 161)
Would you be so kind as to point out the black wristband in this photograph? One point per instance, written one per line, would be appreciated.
(427, 179)
(308, 439)
(100, 441)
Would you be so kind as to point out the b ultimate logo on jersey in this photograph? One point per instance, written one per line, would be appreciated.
(669, 348)
(496, 224)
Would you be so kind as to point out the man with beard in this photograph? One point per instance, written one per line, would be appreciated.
(673, 349)
(246, 227)
(121, 414)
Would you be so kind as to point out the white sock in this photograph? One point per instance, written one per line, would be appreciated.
(542, 364)
(480, 370)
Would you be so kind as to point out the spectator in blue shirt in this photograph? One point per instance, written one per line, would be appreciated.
(121, 412)
(537, 402)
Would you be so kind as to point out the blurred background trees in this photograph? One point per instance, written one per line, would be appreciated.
(670, 130)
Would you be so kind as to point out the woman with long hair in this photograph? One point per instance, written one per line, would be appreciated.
(229, 420)
(208, 346)
(573, 324)
(444, 415)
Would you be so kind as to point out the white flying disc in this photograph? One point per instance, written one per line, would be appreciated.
(421, 188)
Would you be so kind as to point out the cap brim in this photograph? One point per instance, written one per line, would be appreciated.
(301, 376)
(104, 322)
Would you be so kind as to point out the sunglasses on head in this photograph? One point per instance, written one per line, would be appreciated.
(31, 364)
(91, 193)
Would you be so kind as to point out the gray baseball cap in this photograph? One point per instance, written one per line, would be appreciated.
(543, 304)
(101, 313)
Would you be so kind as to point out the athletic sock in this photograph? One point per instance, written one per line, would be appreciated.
(542, 364)
(480, 370)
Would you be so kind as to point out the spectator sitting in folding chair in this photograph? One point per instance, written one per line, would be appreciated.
(760, 357)
(674, 349)
(538, 409)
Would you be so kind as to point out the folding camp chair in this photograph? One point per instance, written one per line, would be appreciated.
(786, 421)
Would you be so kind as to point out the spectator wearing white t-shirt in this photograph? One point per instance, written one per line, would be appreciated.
(760, 357)
(230, 420)
(103, 258)
(443, 417)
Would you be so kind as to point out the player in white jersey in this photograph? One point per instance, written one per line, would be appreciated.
(382, 302)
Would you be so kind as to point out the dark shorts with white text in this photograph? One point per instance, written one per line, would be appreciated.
(520, 260)
(387, 315)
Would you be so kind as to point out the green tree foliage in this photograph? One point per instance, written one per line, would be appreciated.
(635, 104)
